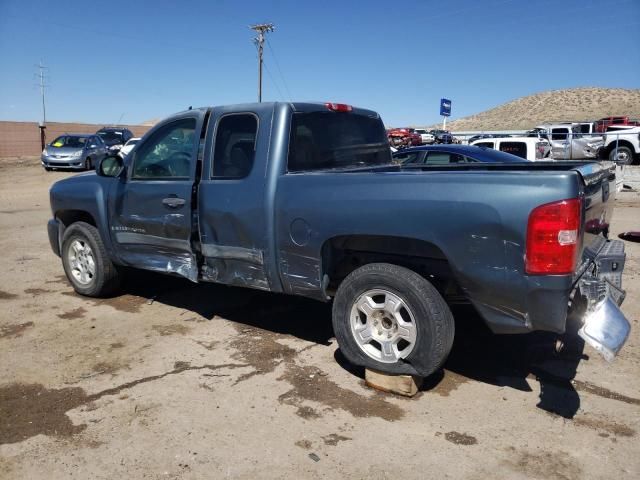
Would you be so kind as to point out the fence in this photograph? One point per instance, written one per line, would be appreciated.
(22, 139)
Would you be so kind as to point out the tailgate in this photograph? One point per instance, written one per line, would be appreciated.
(599, 197)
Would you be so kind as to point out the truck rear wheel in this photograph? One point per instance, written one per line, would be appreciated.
(86, 263)
(389, 318)
(621, 155)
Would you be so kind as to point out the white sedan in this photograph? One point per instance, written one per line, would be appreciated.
(127, 147)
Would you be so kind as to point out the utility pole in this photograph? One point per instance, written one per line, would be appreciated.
(42, 85)
(261, 29)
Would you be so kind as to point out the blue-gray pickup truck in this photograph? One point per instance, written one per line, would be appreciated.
(304, 199)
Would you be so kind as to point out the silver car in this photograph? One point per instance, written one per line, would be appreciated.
(74, 151)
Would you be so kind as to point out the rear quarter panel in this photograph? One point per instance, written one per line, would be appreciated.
(478, 219)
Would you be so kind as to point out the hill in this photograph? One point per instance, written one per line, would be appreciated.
(579, 104)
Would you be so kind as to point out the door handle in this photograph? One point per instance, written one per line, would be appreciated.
(173, 202)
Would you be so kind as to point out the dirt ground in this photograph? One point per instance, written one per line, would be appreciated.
(176, 380)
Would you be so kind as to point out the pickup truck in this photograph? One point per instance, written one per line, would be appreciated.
(427, 138)
(567, 141)
(533, 149)
(303, 199)
(622, 144)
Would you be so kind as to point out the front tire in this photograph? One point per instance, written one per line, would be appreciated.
(86, 263)
(390, 319)
(88, 164)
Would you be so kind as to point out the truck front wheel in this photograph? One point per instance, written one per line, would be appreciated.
(86, 263)
(390, 319)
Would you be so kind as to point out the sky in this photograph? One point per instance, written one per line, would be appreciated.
(131, 61)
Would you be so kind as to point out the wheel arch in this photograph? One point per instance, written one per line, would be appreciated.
(343, 254)
(67, 217)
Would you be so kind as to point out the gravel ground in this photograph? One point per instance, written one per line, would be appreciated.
(175, 380)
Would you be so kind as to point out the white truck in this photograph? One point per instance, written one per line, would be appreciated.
(531, 148)
(622, 144)
(427, 138)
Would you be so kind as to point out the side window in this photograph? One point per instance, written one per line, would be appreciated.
(235, 146)
(405, 158)
(168, 153)
(559, 133)
(443, 158)
(484, 144)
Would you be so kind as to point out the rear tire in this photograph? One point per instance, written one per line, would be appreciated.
(621, 155)
(390, 319)
(86, 263)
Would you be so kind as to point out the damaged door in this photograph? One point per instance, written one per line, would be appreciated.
(151, 210)
(232, 218)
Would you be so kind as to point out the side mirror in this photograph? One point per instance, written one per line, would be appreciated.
(110, 166)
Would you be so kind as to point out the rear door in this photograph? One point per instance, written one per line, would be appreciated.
(151, 210)
(231, 197)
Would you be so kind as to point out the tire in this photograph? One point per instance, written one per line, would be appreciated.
(48, 169)
(88, 164)
(86, 263)
(419, 336)
(621, 155)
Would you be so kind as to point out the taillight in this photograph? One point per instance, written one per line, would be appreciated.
(339, 107)
(539, 150)
(553, 239)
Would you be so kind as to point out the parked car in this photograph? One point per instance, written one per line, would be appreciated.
(567, 142)
(480, 136)
(441, 136)
(451, 154)
(622, 144)
(530, 148)
(76, 151)
(115, 137)
(303, 199)
(403, 137)
(426, 137)
(127, 147)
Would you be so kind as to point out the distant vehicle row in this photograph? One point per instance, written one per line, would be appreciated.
(409, 137)
(83, 151)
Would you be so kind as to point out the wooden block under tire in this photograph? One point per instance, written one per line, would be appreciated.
(406, 385)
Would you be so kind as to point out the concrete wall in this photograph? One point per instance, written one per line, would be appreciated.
(22, 139)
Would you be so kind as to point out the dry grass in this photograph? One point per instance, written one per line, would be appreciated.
(588, 103)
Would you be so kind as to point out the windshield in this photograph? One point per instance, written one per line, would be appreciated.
(69, 141)
(111, 137)
(328, 140)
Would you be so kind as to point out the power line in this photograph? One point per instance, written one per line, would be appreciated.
(284, 82)
(261, 29)
(273, 80)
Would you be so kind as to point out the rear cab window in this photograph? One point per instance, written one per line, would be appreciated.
(484, 144)
(336, 140)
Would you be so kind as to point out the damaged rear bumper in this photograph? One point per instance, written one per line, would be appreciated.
(604, 326)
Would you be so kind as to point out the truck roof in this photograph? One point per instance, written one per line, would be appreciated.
(295, 106)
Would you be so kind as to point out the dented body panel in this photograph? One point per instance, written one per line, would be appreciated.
(274, 230)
